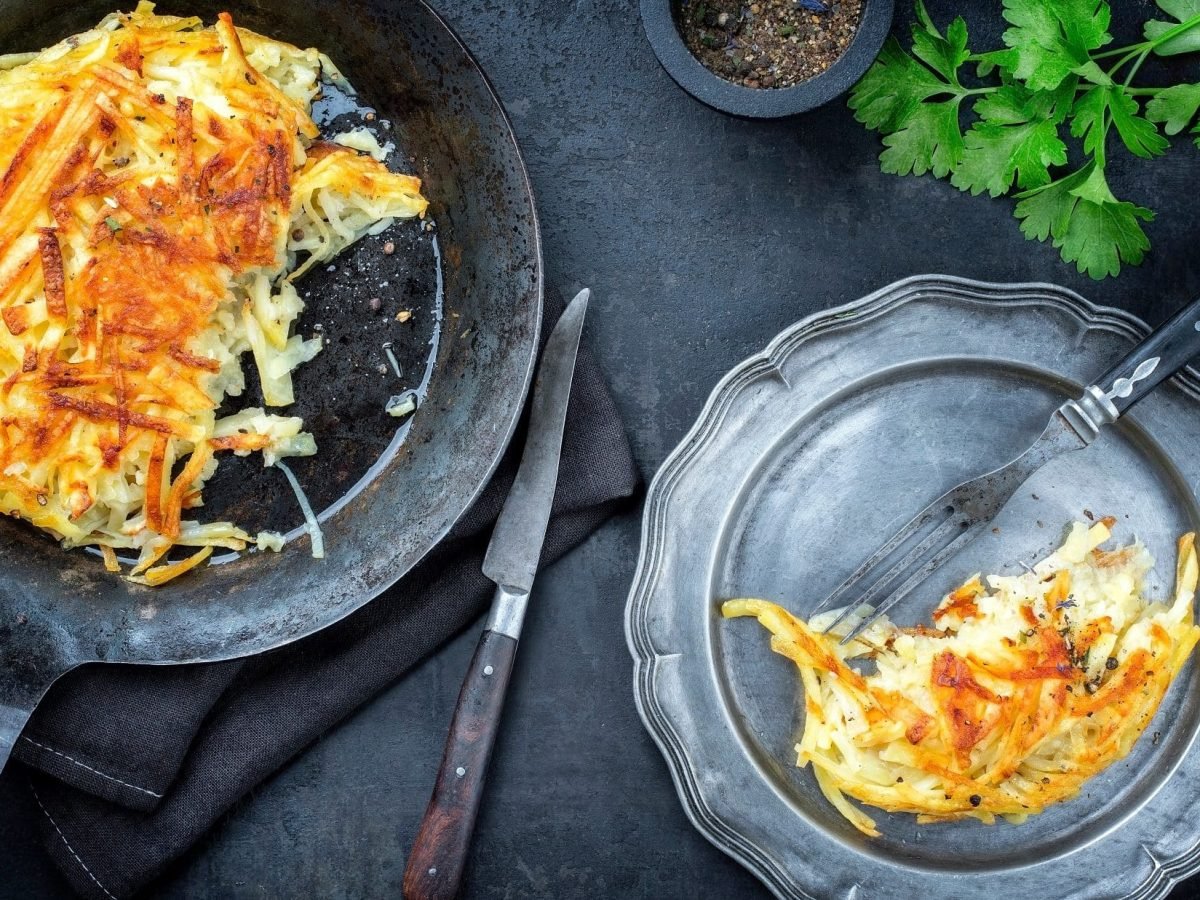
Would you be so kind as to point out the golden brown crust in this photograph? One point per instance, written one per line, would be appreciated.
(1007, 720)
(150, 175)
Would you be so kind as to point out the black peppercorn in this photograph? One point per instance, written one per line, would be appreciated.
(975, 799)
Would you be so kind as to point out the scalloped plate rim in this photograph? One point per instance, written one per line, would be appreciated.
(1164, 875)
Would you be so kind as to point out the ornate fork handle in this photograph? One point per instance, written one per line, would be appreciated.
(1167, 350)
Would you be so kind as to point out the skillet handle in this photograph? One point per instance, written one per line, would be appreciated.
(435, 863)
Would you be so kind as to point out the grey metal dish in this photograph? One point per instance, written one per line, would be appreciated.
(804, 457)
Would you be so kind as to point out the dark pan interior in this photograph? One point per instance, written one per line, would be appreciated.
(341, 393)
(450, 130)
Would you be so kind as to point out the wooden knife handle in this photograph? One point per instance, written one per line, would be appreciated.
(435, 863)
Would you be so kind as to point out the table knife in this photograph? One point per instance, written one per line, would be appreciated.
(435, 863)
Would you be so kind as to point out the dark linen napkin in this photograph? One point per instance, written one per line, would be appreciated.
(131, 765)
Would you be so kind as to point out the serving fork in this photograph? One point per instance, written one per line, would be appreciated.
(954, 519)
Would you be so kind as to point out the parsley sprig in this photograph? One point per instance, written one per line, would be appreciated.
(1055, 76)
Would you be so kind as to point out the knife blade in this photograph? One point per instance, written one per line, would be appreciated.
(512, 554)
(434, 867)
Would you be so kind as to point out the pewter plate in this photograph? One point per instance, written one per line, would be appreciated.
(806, 456)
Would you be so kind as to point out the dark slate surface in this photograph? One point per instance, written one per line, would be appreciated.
(701, 237)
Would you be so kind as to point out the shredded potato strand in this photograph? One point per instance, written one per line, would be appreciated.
(162, 186)
(1026, 688)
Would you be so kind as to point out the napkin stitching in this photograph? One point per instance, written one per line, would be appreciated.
(90, 769)
(67, 843)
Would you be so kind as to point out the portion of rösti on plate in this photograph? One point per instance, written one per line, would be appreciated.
(1025, 687)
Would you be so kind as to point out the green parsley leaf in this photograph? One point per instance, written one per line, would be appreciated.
(1181, 39)
(942, 54)
(1062, 100)
(1084, 23)
(930, 141)
(1090, 120)
(1006, 60)
(1009, 105)
(1086, 222)
(1052, 40)
(895, 85)
(1012, 104)
(1013, 138)
(895, 97)
(1101, 237)
(1175, 107)
(1091, 71)
(994, 154)
(1100, 105)
(1094, 188)
(1140, 136)
(1046, 212)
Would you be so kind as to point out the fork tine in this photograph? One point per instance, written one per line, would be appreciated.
(873, 565)
(968, 508)
(913, 581)
(888, 547)
(939, 537)
(930, 543)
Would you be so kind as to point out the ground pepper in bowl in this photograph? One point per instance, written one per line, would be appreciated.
(768, 43)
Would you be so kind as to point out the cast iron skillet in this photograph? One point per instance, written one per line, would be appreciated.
(389, 496)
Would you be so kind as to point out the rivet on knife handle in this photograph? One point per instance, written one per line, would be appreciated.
(435, 863)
